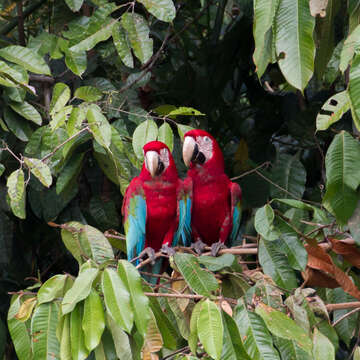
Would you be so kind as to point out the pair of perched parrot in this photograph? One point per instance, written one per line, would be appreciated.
(160, 210)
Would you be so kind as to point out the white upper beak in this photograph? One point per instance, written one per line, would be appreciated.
(152, 162)
(188, 149)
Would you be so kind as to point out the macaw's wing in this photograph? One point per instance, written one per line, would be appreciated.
(235, 192)
(134, 215)
(183, 233)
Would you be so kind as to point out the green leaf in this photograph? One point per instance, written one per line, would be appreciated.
(28, 58)
(145, 132)
(264, 14)
(51, 289)
(65, 339)
(282, 326)
(121, 339)
(99, 125)
(122, 45)
(166, 135)
(354, 91)
(264, 223)
(217, 263)
(74, 5)
(323, 348)
(338, 105)
(2, 169)
(93, 322)
(18, 126)
(60, 97)
(76, 61)
(78, 348)
(80, 290)
(342, 164)
(289, 173)
(40, 170)
(100, 35)
(18, 331)
(164, 10)
(10, 75)
(351, 46)
(357, 353)
(88, 93)
(294, 41)
(200, 281)
(256, 337)
(27, 111)
(193, 336)
(16, 185)
(117, 299)
(185, 111)
(138, 35)
(183, 129)
(289, 349)
(44, 321)
(76, 118)
(233, 347)
(139, 302)
(210, 328)
(276, 265)
(70, 172)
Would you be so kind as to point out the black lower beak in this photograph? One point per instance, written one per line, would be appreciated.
(198, 157)
(160, 168)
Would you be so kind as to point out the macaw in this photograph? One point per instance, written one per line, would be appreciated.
(216, 201)
(156, 206)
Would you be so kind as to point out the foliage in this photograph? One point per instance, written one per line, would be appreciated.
(85, 84)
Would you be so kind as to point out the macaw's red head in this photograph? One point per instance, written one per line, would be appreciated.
(158, 161)
(201, 149)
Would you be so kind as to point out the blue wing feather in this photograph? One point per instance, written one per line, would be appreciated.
(236, 221)
(183, 232)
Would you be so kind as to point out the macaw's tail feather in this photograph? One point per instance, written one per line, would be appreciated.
(157, 268)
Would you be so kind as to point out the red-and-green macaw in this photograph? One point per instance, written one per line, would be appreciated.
(216, 201)
(156, 209)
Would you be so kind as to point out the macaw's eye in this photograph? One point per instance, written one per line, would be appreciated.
(206, 138)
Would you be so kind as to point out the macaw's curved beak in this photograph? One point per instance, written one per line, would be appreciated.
(191, 152)
(153, 163)
(189, 149)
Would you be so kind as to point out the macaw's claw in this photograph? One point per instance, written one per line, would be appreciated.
(150, 253)
(215, 247)
(198, 246)
(167, 250)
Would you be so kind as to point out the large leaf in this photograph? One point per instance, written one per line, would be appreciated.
(138, 34)
(74, 5)
(18, 331)
(354, 91)
(264, 223)
(282, 326)
(27, 111)
(65, 338)
(294, 41)
(70, 172)
(289, 173)
(117, 299)
(139, 302)
(337, 105)
(349, 49)
(122, 45)
(264, 14)
(101, 35)
(256, 337)
(153, 340)
(80, 290)
(289, 349)
(45, 345)
(28, 58)
(99, 125)
(17, 193)
(78, 348)
(76, 61)
(166, 135)
(88, 93)
(342, 176)
(275, 264)
(323, 348)
(210, 328)
(60, 97)
(40, 170)
(201, 281)
(93, 322)
(51, 289)
(145, 132)
(121, 339)
(164, 10)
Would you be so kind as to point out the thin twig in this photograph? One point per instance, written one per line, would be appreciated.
(265, 164)
(184, 349)
(341, 306)
(345, 316)
(65, 142)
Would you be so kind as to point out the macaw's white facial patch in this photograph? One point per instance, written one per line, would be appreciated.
(205, 145)
(164, 157)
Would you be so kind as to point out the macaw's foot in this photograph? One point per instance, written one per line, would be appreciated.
(150, 253)
(167, 250)
(198, 246)
(215, 247)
